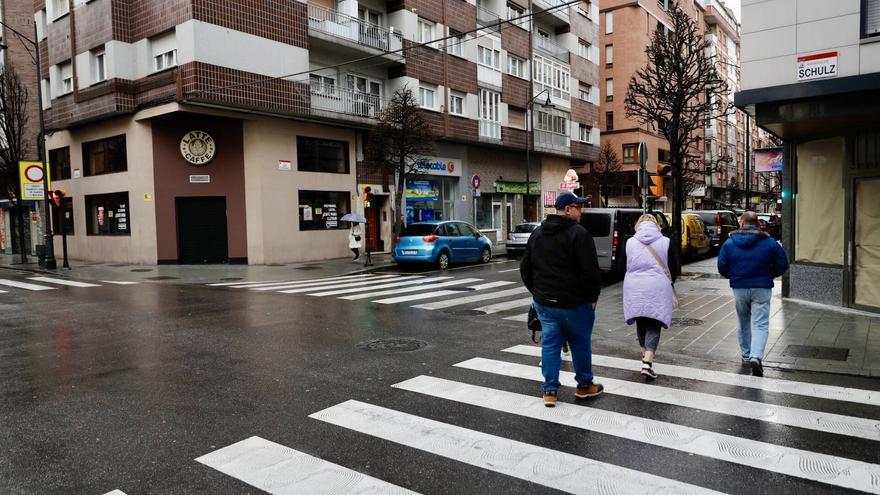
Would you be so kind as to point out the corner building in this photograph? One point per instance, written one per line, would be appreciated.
(188, 131)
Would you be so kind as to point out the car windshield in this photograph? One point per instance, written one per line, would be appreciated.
(524, 228)
(418, 230)
(597, 224)
(709, 218)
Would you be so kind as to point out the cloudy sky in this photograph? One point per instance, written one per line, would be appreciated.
(734, 5)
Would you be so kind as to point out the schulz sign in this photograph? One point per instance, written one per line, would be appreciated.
(198, 148)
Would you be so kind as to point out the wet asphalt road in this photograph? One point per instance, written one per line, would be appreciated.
(123, 387)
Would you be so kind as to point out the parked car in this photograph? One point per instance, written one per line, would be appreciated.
(774, 224)
(719, 225)
(694, 239)
(519, 237)
(441, 243)
(611, 228)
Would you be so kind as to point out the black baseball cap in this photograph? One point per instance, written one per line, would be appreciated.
(566, 199)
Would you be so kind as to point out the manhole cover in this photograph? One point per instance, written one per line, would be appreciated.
(393, 345)
(710, 275)
(139, 270)
(162, 277)
(817, 352)
(230, 279)
(276, 264)
(686, 322)
(307, 268)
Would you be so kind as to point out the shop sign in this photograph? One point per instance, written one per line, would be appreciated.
(768, 160)
(198, 148)
(32, 181)
(515, 187)
(199, 179)
(284, 165)
(450, 167)
(570, 181)
(423, 189)
(569, 185)
(549, 198)
(817, 66)
(331, 215)
(699, 192)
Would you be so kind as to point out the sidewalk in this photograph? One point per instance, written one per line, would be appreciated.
(803, 336)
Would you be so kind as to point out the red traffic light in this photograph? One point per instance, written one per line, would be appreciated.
(57, 196)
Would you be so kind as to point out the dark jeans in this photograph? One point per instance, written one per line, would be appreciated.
(572, 325)
(357, 252)
(648, 330)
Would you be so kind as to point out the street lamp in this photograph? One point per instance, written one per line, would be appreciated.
(50, 261)
(529, 138)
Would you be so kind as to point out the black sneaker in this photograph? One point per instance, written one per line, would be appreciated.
(757, 367)
(746, 361)
(550, 398)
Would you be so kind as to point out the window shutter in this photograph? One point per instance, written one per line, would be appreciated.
(871, 17)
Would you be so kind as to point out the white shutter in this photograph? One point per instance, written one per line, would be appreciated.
(871, 17)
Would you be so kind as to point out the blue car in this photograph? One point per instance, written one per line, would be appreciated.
(441, 243)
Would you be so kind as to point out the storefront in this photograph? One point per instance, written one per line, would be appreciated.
(431, 195)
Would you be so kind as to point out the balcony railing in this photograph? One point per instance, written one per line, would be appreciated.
(490, 129)
(486, 17)
(353, 29)
(556, 5)
(552, 141)
(346, 101)
(557, 51)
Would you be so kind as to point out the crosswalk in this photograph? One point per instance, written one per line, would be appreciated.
(279, 469)
(42, 283)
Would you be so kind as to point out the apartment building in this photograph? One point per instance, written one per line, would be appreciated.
(191, 131)
(17, 54)
(811, 75)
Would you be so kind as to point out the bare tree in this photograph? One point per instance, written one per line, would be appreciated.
(14, 146)
(676, 94)
(605, 172)
(396, 145)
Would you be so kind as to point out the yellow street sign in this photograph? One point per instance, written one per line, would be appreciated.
(32, 181)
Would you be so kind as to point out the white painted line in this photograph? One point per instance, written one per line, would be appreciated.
(407, 290)
(254, 285)
(511, 270)
(813, 390)
(331, 285)
(227, 284)
(521, 318)
(471, 299)
(837, 424)
(119, 282)
(832, 470)
(22, 285)
(280, 470)
(542, 466)
(115, 492)
(61, 281)
(438, 293)
(504, 306)
(393, 283)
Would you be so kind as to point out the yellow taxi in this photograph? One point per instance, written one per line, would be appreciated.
(694, 241)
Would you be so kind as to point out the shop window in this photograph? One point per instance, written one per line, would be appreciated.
(321, 210)
(59, 163)
(489, 212)
(322, 155)
(819, 202)
(68, 217)
(105, 156)
(107, 214)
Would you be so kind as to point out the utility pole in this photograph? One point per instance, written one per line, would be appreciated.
(748, 162)
(643, 179)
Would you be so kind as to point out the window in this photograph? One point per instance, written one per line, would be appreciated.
(489, 57)
(517, 12)
(100, 68)
(609, 54)
(584, 132)
(427, 96)
(65, 74)
(515, 66)
(664, 4)
(456, 103)
(584, 49)
(164, 50)
(584, 91)
(552, 76)
(426, 31)
(516, 118)
(321, 210)
(68, 217)
(586, 8)
(165, 60)
(609, 89)
(59, 8)
(322, 85)
(105, 156)
(663, 156)
(321, 155)
(454, 44)
(552, 121)
(870, 18)
(59, 163)
(107, 214)
(609, 121)
(490, 115)
(609, 22)
(629, 153)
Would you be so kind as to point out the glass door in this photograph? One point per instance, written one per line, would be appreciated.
(866, 243)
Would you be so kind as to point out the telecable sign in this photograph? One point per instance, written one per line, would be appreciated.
(817, 66)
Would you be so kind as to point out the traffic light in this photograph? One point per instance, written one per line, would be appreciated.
(368, 196)
(663, 169)
(57, 197)
(657, 186)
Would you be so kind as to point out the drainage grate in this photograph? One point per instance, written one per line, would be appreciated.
(308, 268)
(276, 264)
(139, 270)
(817, 352)
(162, 277)
(230, 279)
(393, 345)
(686, 322)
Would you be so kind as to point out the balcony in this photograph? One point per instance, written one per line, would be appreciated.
(351, 29)
(490, 130)
(552, 142)
(335, 102)
(559, 15)
(486, 17)
(550, 48)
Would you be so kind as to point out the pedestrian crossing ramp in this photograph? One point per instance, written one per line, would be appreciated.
(279, 469)
(40, 284)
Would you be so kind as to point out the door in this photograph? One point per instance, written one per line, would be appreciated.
(201, 230)
(866, 243)
(452, 238)
(471, 241)
(373, 228)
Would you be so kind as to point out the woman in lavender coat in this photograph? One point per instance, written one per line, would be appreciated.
(647, 288)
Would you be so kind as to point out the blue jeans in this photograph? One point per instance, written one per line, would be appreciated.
(753, 311)
(574, 325)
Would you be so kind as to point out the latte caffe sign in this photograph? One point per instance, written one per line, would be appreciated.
(198, 148)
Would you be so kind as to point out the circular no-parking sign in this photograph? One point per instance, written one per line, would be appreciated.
(475, 181)
(34, 173)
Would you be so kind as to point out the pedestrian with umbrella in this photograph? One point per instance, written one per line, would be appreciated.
(354, 235)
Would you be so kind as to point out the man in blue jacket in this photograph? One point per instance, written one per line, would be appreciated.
(751, 259)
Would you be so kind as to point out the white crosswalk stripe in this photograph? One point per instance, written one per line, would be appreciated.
(449, 303)
(297, 288)
(762, 383)
(405, 290)
(278, 284)
(119, 282)
(504, 306)
(115, 492)
(539, 465)
(371, 287)
(524, 317)
(438, 293)
(60, 281)
(24, 285)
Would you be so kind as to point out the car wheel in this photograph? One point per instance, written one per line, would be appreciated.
(486, 255)
(443, 260)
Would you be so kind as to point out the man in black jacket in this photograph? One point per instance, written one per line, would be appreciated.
(561, 270)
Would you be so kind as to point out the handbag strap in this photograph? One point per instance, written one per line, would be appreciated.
(659, 262)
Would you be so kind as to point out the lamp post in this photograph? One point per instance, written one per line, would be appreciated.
(58, 199)
(50, 261)
(529, 106)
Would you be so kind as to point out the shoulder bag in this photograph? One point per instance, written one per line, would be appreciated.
(666, 271)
